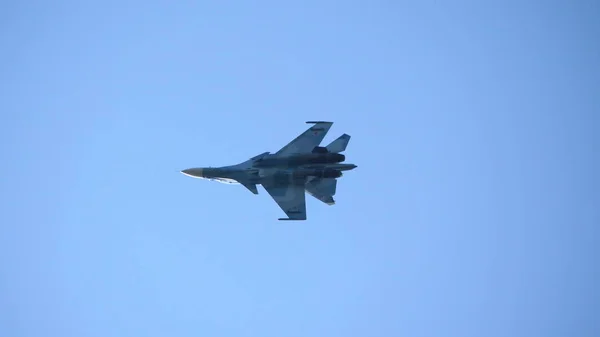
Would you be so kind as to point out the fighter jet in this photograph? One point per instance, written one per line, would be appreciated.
(300, 166)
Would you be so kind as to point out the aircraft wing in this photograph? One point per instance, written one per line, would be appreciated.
(290, 197)
(307, 141)
(322, 189)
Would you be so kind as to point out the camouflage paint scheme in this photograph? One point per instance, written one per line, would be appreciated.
(298, 167)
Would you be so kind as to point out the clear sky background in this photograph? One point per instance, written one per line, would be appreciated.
(474, 210)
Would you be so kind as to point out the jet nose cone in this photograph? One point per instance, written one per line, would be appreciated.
(193, 172)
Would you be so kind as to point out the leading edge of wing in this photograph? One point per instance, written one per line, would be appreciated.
(307, 140)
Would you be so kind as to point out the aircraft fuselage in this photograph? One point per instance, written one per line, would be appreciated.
(234, 174)
(300, 167)
(299, 159)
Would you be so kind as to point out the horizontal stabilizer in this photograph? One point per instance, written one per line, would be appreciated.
(340, 144)
(323, 189)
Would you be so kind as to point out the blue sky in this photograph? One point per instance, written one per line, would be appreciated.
(474, 209)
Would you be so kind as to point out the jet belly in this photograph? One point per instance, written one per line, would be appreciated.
(299, 159)
(284, 176)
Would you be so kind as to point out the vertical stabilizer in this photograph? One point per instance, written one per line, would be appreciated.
(339, 145)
